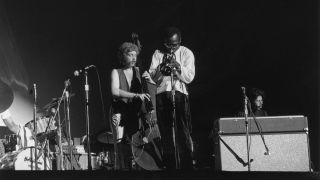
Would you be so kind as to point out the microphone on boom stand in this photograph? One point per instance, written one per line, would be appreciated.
(82, 70)
(247, 123)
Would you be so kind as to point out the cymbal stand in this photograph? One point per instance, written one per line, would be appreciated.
(45, 153)
(35, 127)
(60, 141)
(47, 156)
(59, 124)
(69, 129)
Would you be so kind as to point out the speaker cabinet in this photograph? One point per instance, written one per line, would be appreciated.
(288, 149)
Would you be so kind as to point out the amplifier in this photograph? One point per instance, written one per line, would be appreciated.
(269, 124)
(285, 136)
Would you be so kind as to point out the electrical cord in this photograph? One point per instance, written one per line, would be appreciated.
(100, 92)
(259, 127)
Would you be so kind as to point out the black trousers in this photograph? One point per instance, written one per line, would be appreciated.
(164, 107)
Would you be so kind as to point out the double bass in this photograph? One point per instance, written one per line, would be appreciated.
(144, 145)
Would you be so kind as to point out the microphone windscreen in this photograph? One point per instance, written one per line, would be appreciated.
(76, 73)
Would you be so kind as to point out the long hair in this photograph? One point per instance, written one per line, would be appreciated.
(124, 49)
(255, 92)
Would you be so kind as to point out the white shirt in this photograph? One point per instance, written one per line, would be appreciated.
(185, 58)
(5, 115)
(25, 135)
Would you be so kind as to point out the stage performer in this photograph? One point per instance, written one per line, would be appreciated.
(127, 96)
(171, 69)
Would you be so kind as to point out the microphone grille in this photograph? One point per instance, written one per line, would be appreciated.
(76, 73)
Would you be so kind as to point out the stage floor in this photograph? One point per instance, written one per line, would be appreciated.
(155, 175)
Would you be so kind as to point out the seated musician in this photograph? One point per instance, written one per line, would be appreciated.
(7, 119)
(257, 97)
(25, 138)
(126, 90)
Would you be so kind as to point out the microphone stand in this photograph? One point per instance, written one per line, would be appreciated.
(174, 122)
(60, 140)
(35, 128)
(67, 83)
(247, 127)
(86, 88)
(68, 125)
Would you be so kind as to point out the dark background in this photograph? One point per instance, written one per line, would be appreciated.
(272, 45)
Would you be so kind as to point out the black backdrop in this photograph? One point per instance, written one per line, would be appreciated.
(271, 45)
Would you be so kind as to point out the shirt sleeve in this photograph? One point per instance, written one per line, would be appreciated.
(6, 114)
(154, 69)
(187, 67)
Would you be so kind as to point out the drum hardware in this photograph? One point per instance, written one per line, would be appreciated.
(10, 143)
(7, 161)
(24, 160)
(35, 131)
(31, 160)
(48, 135)
(105, 160)
(56, 103)
(67, 101)
(45, 127)
(100, 158)
(78, 149)
(2, 148)
(83, 162)
(106, 156)
(105, 137)
(35, 125)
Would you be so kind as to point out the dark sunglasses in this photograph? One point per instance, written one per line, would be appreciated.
(171, 45)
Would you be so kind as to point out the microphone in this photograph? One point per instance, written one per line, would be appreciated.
(67, 83)
(35, 90)
(32, 89)
(244, 93)
(243, 90)
(77, 72)
(245, 101)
